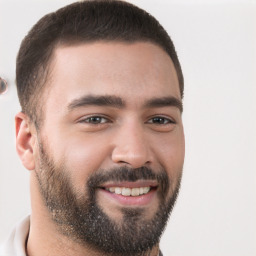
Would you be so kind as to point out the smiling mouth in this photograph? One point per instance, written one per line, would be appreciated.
(138, 193)
(129, 191)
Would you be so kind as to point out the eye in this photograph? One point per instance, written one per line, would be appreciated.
(95, 120)
(160, 120)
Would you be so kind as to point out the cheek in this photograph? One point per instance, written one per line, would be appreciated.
(171, 154)
(82, 157)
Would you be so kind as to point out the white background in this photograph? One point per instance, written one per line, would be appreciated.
(216, 41)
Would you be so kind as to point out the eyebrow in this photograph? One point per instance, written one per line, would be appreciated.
(108, 101)
(165, 102)
(117, 102)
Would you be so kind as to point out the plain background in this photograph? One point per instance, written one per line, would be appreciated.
(215, 214)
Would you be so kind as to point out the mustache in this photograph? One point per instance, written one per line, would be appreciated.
(124, 173)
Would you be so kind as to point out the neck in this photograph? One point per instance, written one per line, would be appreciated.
(45, 239)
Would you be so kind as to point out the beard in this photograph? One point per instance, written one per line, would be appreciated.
(79, 217)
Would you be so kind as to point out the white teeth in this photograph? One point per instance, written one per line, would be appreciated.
(129, 191)
(146, 190)
(126, 191)
(135, 191)
(112, 190)
(118, 191)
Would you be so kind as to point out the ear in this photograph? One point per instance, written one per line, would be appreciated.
(25, 140)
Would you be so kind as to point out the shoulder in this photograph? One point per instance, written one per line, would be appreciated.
(15, 243)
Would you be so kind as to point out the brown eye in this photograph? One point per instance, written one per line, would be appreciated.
(95, 120)
(160, 120)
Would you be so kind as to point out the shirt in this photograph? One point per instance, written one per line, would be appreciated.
(15, 244)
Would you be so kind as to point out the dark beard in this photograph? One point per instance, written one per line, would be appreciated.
(81, 219)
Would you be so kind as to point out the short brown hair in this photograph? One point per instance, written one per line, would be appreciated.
(87, 21)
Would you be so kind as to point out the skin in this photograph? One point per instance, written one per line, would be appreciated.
(127, 135)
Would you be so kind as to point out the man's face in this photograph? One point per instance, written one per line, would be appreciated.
(111, 141)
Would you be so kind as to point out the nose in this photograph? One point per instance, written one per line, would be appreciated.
(131, 147)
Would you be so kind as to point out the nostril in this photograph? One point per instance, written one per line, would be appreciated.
(123, 162)
(131, 153)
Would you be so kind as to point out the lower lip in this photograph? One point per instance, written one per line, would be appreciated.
(142, 200)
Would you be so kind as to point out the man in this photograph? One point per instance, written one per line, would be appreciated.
(100, 131)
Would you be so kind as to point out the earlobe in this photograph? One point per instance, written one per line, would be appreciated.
(25, 141)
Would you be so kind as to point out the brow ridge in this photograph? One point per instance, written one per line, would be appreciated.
(118, 102)
(109, 100)
(165, 102)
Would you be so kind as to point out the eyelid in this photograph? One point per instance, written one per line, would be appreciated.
(169, 119)
(84, 118)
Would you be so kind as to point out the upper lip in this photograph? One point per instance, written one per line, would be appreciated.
(129, 184)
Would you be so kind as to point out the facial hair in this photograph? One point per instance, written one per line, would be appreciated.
(80, 218)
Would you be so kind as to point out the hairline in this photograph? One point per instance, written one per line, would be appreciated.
(45, 79)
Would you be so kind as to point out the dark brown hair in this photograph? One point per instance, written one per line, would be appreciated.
(82, 22)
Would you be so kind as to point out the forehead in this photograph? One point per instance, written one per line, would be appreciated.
(130, 71)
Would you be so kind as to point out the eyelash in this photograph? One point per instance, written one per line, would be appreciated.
(163, 120)
(86, 120)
